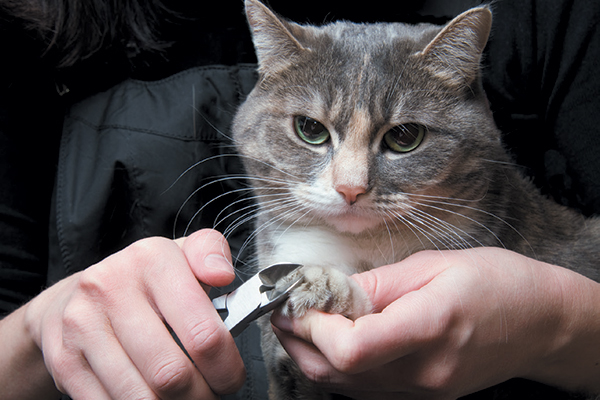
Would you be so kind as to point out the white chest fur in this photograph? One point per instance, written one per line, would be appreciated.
(319, 246)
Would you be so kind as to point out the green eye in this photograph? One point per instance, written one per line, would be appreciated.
(311, 130)
(404, 138)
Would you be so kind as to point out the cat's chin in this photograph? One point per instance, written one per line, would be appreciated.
(353, 224)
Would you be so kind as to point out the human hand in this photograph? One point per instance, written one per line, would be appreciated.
(450, 323)
(102, 331)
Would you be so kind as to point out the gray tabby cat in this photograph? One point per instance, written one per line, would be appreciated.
(368, 143)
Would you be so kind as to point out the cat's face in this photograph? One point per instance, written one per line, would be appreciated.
(356, 126)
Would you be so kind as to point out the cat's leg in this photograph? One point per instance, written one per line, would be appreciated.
(322, 288)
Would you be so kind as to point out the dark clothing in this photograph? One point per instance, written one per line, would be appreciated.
(129, 159)
(542, 82)
(87, 172)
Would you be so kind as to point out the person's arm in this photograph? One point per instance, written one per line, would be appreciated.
(23, 374)
(452, 323)
(101, 333)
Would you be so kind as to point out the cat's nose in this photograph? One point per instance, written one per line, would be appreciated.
(350, 193)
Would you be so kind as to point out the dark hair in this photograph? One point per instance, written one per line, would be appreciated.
(77, 29)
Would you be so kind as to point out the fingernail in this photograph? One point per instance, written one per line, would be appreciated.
(218, 262)
(282, 322)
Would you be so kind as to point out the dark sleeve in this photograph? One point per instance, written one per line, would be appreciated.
(30, 118)
(542, 81)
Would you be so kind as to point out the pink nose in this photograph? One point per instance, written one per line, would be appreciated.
(350, 193)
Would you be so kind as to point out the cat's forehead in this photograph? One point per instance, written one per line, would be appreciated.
(362, 37)
(352, 67)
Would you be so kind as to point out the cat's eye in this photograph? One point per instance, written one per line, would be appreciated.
(310, 130)
(404, 138)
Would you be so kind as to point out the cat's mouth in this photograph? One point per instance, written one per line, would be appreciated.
(330, 208)
(353, 223)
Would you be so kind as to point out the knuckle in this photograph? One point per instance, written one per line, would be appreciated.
(173, 375)
(205, 338)
(61, 365)
(209, 340)
(346, 356)
(97, 288)
(235, 382)
(318, 374)
(131, 388)
(209, 237)
(94, 282)
(76, 320)
(147, 249)
(438, 379)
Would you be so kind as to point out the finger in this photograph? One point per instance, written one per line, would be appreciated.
(191, 314)
(310, 360)
(135, 318)
(388, 283)
(72, 374)
(65, 347)
(163, 365)
(114, 369)
(209, 257)
(378, 395)
(82, 384)
(166, 291)
(318, 370)
(376, 339)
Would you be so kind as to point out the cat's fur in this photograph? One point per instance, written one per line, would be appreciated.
(351, 203)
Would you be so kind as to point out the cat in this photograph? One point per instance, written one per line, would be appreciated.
(366, 143)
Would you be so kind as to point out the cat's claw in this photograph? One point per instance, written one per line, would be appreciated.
(326, 289)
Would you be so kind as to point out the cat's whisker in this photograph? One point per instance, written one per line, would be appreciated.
(267, 224)
(215, 181)
(446, 240)
(195, 165)
(246, 215)
(392, 249)
(201, 209)
(208, 159)
(287, 217)
(476, 222)
(453, 231)
(251, 210)
(507, 163)
(412, 227)
(427, 197)
(274, 205)
(400, 231)
(204, 117)
(440, 237)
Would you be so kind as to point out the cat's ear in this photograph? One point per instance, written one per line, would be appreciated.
(454, 54)
(274, 41)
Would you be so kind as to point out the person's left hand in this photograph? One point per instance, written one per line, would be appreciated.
(446, 324)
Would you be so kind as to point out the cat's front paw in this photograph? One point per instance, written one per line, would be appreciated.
(328, 290)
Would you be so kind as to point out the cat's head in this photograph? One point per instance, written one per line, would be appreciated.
(349, 122)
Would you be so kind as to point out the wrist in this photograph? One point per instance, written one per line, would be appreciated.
(23, 374)
(571, 356)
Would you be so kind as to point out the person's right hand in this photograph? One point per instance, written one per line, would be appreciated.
(102, 331)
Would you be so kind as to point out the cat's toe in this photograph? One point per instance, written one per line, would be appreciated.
(328, 290)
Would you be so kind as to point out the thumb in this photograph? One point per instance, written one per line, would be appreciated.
(388, 283)
(209, 257)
